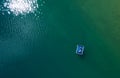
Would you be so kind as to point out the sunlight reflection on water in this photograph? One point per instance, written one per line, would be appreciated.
(20, 7)
(19, 28)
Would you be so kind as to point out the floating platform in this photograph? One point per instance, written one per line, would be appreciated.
(80, 50)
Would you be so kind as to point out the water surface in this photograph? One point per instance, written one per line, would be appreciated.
(42, 44)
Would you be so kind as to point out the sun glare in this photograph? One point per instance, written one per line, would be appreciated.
(20, 7)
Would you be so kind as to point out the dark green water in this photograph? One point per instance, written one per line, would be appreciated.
(45, 47)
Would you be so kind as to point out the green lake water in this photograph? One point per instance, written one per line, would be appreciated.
(44, 47)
